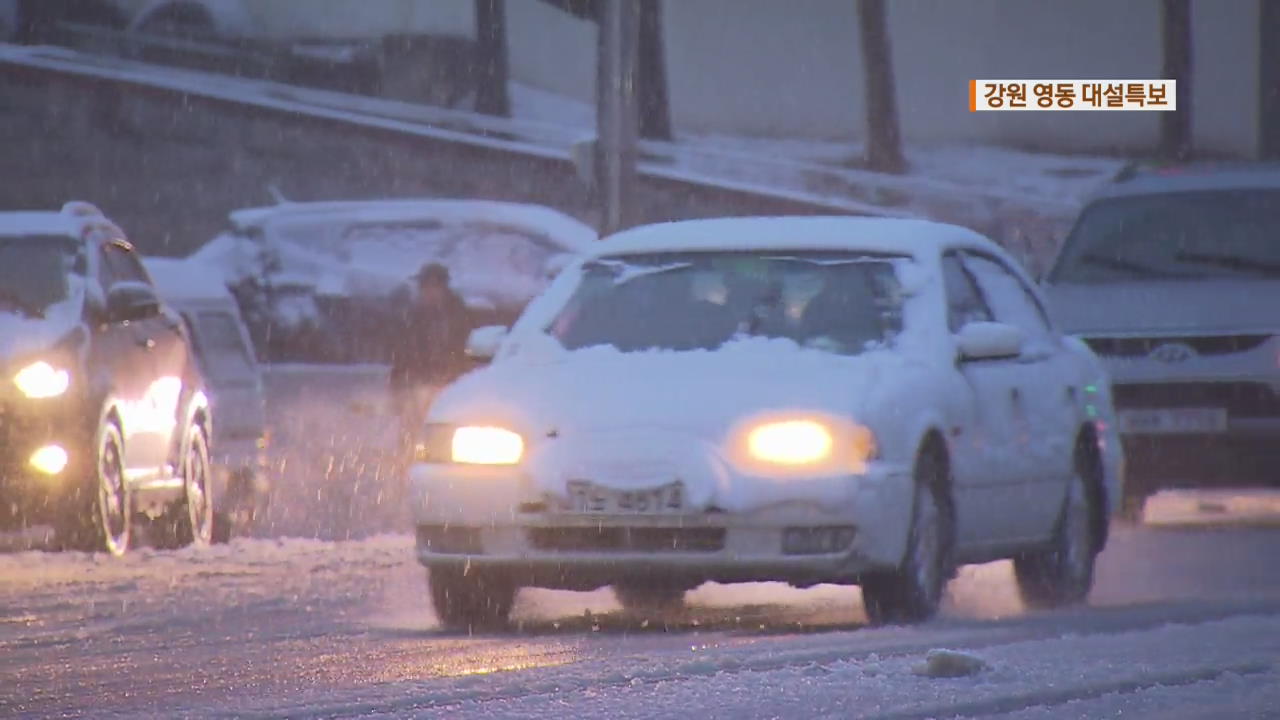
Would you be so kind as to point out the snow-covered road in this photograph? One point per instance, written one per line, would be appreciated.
(1184, 622)
(1182, 618)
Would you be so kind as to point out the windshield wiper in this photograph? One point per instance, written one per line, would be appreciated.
(11, 299)
(623, 272)
(1133, 268)
(1231, 262)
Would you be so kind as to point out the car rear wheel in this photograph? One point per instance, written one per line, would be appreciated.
(190, 521)
(912, 593)
(649, 599)
(470, 599)
(106, 525)
(1062, 574)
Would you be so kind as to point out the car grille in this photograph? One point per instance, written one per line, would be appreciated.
(616, 539)
(1240, 399)
(1203, 345)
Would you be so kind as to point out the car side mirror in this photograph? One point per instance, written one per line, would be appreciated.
(484, 341)
(989, 341)
(130, 301)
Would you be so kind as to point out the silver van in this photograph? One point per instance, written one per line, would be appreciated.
(226, 359)
(1172, 275)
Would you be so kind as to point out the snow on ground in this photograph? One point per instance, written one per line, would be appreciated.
(1039, 674)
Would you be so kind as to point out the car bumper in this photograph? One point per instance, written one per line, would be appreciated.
(488, 519)
(1245, 455)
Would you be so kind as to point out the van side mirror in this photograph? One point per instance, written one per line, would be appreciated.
(131, 301)
(989, 341)
(484, 342)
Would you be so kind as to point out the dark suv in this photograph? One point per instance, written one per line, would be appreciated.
(104, 425)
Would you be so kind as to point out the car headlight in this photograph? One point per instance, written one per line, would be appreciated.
(790, 442)
(42, 380)
(470, 445)
(802, 445)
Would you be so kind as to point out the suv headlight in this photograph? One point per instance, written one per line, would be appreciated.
(42, 380)
(469, 445)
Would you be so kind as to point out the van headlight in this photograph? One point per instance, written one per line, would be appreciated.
(469, 445)
(42, 380)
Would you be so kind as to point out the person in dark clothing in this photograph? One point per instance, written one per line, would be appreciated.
(429, 351)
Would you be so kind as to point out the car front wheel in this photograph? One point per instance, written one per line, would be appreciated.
(1062, 574)
(470, 599)
(107, 523)
(912, 593)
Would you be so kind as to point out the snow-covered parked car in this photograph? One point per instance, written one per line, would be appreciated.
(812, 400)
(322, 280)
(222, 349)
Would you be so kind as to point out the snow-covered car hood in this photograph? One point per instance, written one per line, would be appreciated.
(627, 418)
(21, 335)
(702, 392)
(1244, 305)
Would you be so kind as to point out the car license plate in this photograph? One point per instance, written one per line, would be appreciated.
(589, 498)
(1172, 421)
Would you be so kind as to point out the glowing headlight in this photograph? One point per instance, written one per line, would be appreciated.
(790, 442)
(801, 444)
(486, 446)
(42, 380)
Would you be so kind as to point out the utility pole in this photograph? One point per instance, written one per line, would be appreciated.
(616, 112)
(1175, 127)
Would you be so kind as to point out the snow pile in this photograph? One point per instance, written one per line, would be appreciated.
(942, 663)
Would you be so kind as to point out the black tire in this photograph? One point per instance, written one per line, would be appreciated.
(470, 600)
(913, 592)
(190, 521)
(1062, 574)
(106, 523)
(194, 519)
(1133, 504)
(651, 599)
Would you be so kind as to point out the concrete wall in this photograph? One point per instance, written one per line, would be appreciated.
(765, 67)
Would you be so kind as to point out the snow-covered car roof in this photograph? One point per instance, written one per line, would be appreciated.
(917, 238)
(185, 281)
(70, 221)
(560, 229)
(38, 223)
(1192, 178)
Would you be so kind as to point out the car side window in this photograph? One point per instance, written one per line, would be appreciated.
(1010, 298)
(965, 303)
(119, 264)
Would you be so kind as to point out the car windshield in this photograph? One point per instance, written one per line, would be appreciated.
(1175, 236)
(33, 273)
(844, 303)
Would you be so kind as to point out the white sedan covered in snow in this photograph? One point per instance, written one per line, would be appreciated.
(813, 400)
